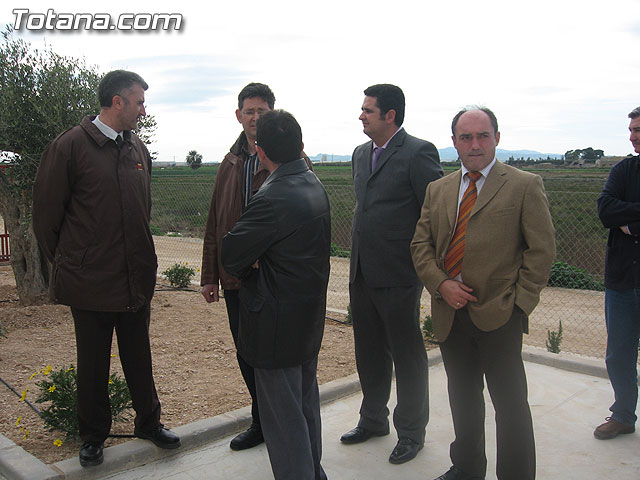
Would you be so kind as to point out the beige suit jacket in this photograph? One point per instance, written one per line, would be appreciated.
(510, 246)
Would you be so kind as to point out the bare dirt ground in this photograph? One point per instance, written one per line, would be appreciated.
(194, 360)
(194, 357)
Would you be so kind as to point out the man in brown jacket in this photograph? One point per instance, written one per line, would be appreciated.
(91, 209)
(483, 247)
(239, 177)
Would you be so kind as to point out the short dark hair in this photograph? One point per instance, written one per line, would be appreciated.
(280, 136)
(115, 83)
(490, 114)
(257, 90)
(388, 97)
(635, 113)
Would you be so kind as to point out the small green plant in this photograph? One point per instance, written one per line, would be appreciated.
(554, 339)
(427, 329)
(338, 251)
(179, 275)
(349, 317)
(567, 276)
(155, 230)
(59, 393)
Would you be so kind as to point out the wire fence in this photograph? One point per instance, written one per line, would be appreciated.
(575, 295)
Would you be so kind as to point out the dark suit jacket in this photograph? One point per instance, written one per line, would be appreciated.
(510, 246)
(388, 203)
(287, 228)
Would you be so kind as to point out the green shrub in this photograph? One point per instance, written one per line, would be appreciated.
(349, 317)
(179, 275)
(59, 392)
(568, 276)
(338, 251)
(554, 339)
(427, 329)
(155, 230)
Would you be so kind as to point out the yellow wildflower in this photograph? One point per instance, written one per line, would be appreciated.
(110, 381)
(113, 355)
(52, 388)
(23, 397)
(33, 375)
(69, 369)
(26, 434)
(57, 442)
(18, 421)
(47, 370)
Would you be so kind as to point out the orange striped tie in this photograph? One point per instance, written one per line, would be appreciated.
(455, 253)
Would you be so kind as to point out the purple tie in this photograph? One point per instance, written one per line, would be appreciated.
(376, 155)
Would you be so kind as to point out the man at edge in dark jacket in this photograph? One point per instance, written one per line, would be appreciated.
(280, 250)
(619, 211)
(91, 210)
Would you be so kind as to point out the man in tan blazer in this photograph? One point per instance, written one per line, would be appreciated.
(480, 302)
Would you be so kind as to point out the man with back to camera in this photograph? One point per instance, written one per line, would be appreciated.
(390, 175)
(280, 249)
(239, 177)
(483, 247)
(91, 210)
(619, 211)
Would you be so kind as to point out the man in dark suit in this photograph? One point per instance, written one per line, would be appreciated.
(280, 250)
(484, 263)
(390, 175)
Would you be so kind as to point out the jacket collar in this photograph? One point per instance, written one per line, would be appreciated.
(290, 168)
(240, 145)
(94, 132)
(396, 142)
(495, 180)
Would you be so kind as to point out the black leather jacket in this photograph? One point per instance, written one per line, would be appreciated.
(287, 229)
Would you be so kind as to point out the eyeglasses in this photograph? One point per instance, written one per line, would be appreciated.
(251, 113)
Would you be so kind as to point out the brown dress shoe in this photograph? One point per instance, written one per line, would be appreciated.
(611, 429)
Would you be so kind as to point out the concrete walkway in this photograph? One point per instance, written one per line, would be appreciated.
(569, 396)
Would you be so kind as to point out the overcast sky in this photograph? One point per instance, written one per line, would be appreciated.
(559, 74)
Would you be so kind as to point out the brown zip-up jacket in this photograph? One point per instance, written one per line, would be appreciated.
(91, 211)
(225, 210)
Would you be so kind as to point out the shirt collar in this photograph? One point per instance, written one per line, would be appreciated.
(106, 130)
(385, 145)
(484, 172)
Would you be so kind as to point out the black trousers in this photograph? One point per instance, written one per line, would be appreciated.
(94, 334)
(386, 328)
(470, 356)
(232, 301)
(290, 405)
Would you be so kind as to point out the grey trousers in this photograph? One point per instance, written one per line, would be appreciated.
(289, 404)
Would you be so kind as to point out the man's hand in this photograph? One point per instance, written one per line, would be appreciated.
(210, 292)
(625, 229)
(456, 294)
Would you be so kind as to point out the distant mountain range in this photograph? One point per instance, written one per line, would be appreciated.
(450, 154)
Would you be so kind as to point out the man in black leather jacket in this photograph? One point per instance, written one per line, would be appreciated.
(280, 250)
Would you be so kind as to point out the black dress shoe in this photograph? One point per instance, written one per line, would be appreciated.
(160, 436)
(360, 434)
(91, 454)
(455, 473)
(248, 439)
(406, 449)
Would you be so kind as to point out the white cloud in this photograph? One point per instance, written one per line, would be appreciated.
(559, 75)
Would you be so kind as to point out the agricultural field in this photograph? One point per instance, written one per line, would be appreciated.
(181, 201)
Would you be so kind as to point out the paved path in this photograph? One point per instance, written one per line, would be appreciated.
(566, 406)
